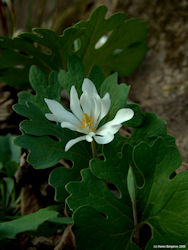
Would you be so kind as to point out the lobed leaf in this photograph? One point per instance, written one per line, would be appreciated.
(74, 76)
(46, 140)
(48, 51)
(161, 201)
(26, 223)
(118, 94)
(147, 127)
(9, 152)
(123, 54)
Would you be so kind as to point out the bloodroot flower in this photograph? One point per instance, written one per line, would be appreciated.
(87, 112)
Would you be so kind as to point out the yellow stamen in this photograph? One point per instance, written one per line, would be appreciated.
(86, 122)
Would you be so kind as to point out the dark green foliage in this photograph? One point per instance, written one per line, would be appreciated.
(9, 160)
(46, 151)
(105, 221)
(50, 52)
(26, 223)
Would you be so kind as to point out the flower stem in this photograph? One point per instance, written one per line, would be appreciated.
(136, 234)
(131, 185)
(94, 151)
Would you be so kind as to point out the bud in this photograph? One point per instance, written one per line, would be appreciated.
(131, 184)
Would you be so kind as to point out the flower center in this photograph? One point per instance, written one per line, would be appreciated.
(87, 122)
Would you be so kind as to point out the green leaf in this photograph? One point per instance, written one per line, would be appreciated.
(8, 151)
(118, 94)
(60, 176)
(152, 126)
(96, 76)
(94, 231)
(7, 190)
(104, 218)
(147, 127)
(5, 152)
(149, 130)
(74, 76)
(9, 159)
(46, 140)
(62, 220)
(114, 215)
(163, 201)
(21, 52)
(26, 223)
(138, 117)
(45, 152)
(123, 51)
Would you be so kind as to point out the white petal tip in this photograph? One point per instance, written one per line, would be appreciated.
(130, 113)
(63, 124)
(124, 115)
(67, 146)
(50, 117)
(107, 95)
(49, 102)
(66, 149)
(104, 139)
(74, 141)
(89, 138)
(46, 99)
(73, 89)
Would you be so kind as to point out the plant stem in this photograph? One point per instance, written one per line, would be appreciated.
(13, 16)
(29, 15)
(3, 19)
(41, 13)
(94, 151)
(135, 222)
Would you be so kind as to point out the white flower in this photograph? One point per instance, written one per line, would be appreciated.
(87, 114)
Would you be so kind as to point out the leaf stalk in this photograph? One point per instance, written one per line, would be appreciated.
(136, 234)
(93, 148)
(131, 185)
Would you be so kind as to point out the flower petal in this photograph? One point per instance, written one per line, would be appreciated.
(70, 126)
(104, 139)
(75, 103)
(52, 117)
(96, 109)
(89, 138)
(105, 106)
(60, 112)
(91, 102)
(105, 130)
(86, 103)
(113, 126)
(122, 115)
(74, 141)
(89, 87)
